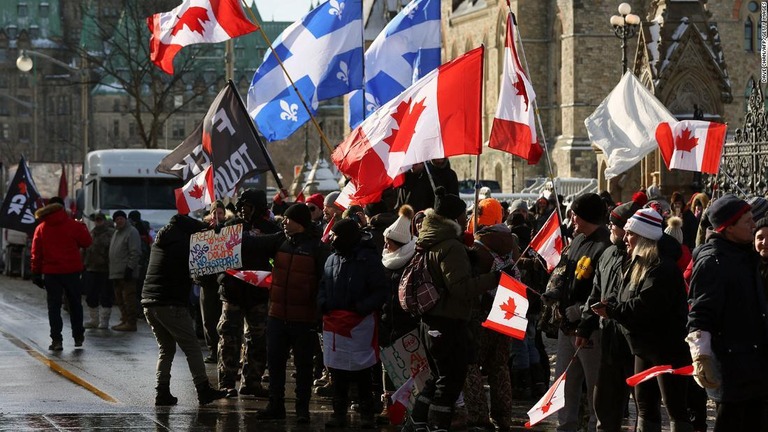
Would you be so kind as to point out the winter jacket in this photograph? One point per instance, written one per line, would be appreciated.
(577, 279)
(417, 189)
(97, 255)
(395, 322)
(168, 282)
(609, 275)
(235, 291)
(727, 299)
(652, 315)
(451, 271)
(353, 282)
(298, 266)
(57, 242)
(124, 251)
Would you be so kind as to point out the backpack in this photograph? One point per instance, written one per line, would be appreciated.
(416, 292)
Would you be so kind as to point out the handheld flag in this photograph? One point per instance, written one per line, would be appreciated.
(656, 371)
(197, 194)
(548, 242)
(552, 401)
(437, 117)
(509, 308)
(192, 22)
(261, 279)
(692, 145)
(21, 201)
(322, 53)
(623, 125)
(514, 127)
(406, 49)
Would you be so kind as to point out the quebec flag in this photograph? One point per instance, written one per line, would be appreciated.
(323, 54)
(407, 49)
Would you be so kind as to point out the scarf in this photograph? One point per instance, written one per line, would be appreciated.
(399, 258)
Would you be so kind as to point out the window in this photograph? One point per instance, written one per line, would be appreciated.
(115, 128)
(25, 131)
(132, 130)
(62, 105)
(44, 10)
(12, 31)
(5, 131)
(178, 129)
(4, 110)
(34, 32)
(22, 10)
(138, 193)
(4, 81)
(753, 6)
(23, 81)
(116, 106)
(749, 35)
(25, 107)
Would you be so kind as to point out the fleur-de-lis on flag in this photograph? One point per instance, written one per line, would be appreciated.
(336, 8)
(371, 103)
(290, 111)
(344, 72)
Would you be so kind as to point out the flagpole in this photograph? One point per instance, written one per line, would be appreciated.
(538, 116)
(285, 71)
(362, 36)
(252, 126)
(477, 158)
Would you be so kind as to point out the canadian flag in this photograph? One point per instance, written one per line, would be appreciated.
(262, 279)
(509, 308)
(691, 145)
(656, 371)
(552, 401)
(192, 22)
(548, 242)
(197, 193)
(350, 340)
(514, 127)
(437, 117)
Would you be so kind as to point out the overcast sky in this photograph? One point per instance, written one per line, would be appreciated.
(282, 10)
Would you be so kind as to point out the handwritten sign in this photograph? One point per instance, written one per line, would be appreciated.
(406, 356)
(211, 253)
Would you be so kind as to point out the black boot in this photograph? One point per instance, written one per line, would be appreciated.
(207, 394)
(339, 416)
(163, 397)
(302, 411)
(275, 410)
(440, 418)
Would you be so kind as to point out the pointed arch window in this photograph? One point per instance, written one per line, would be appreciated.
(749, 35)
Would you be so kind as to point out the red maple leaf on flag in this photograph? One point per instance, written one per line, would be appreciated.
(509, 308)
(686, 141)
(23, 188)
(196, 192)
(406, 117)
(520, 87)
(193, 18)
(545, 407)
(251, 278)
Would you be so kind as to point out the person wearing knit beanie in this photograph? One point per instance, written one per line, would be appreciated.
(646, 223)
(621, 213)
(589, 207)
(119, 214)
(726, 211)
(675, 228)
(449, 206)
(400, 230)
(315, 203)
(346, 235)
(759, 207)
(489, 212)
(300, 214)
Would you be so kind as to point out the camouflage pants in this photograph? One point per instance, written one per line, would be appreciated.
(242, 338)
(493, 352)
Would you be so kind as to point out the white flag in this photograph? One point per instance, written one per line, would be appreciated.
(552, 401)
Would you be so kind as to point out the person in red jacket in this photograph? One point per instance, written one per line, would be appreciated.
(57, 265)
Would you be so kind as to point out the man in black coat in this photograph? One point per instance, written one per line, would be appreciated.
(417, 189)
(727, 322)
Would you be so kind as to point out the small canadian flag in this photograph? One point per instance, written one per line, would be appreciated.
(692, 145)
(509, 308)
(552, 401)
(262, 279)
(197, 193)
(548, 242)
(655, 371)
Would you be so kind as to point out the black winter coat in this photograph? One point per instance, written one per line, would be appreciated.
(353, 282)
(168, 282)
(652, 315)
(728, 301)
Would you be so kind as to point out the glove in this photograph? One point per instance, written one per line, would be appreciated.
(128, 274)
(705, 372)
(37, 279)
(573, 312)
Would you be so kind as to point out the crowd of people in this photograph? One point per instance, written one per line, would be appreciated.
(644, 283)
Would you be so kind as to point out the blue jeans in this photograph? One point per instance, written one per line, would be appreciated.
(281, 337)
(173, 325)
(57, 285)
(524, 352)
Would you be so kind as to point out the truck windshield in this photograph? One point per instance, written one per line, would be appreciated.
(138, 193)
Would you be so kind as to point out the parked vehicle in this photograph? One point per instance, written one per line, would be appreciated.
(468, 186)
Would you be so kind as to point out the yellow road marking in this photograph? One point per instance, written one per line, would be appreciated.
(57, 367)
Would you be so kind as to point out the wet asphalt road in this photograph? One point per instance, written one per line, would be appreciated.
(109, 383)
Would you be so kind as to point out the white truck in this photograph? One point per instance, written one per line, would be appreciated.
(125, 179)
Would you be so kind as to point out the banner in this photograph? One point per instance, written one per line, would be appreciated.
(211, 253)
(21, 201)
(407, 356)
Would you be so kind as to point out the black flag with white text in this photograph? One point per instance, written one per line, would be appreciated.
(21, 201)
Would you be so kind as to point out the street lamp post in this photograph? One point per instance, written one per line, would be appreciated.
(24, 63)
(625, 26)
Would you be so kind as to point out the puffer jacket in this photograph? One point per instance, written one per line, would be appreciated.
(124, 251)
(353, 282)
(168, 282)
(57, 242)
(652, 314)
(451, 271)
(727, 299)
(97, 255)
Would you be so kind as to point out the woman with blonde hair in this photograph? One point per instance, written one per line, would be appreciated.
(651, 310)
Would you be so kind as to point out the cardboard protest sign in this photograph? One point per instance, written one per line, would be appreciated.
(407, 357)
(211, 253)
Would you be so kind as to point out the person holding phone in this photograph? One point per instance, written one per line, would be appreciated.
(651, 310)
